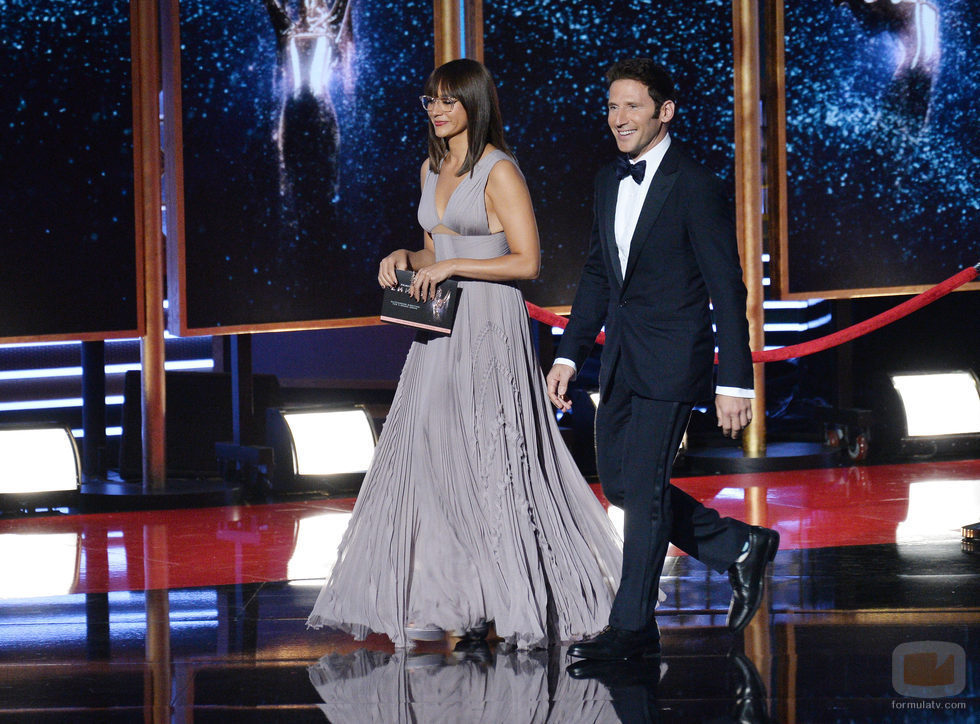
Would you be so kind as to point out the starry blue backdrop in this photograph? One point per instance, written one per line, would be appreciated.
(549, 60)
(66, 190)
(244, 263)
(872, 202)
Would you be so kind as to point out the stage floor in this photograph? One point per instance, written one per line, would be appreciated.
(872, 614)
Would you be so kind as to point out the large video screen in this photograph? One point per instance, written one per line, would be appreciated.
(549, 60)
(69, 265)
(883, 153)
(302, 142)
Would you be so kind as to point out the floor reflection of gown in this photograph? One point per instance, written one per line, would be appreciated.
(370, 686)
(473, 508)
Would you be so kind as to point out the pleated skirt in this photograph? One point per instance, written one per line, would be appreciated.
(473, 509)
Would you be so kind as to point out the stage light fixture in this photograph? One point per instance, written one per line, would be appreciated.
(320, 448)
(36, 460)
(939, 403)
(939, 412)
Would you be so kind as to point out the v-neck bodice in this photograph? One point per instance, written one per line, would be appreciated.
(465, 214)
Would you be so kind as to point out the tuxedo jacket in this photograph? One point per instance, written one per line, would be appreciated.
(659, 339)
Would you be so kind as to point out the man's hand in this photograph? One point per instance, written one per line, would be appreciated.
(734, 413)
(558, 380)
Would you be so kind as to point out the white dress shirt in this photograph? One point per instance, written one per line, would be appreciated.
(630, 197)
(629, 203)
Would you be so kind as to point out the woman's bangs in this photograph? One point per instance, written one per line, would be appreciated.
(442, 84)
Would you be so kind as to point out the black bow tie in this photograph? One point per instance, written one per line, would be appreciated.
(624, 168)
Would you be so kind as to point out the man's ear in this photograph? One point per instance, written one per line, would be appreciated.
(667, 111)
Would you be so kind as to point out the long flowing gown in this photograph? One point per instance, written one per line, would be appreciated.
(473, 509)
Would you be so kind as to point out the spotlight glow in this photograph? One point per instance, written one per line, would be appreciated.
(49, 570)
(946, 403)
(331, 442)
(937, 510)
(315, 553)
(38, 460)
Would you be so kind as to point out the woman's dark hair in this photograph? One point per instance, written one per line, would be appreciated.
(471, 84)
(653, 75)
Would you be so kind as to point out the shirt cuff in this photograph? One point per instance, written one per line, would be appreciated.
(733, 391)
(568, 362)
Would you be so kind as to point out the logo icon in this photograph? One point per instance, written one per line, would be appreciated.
(929, 669)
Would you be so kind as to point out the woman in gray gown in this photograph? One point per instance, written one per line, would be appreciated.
(473, 510)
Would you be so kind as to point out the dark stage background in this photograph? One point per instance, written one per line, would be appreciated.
(66, 193)
(272, 239)
(259, 254)
(882, 168)
(549, 60)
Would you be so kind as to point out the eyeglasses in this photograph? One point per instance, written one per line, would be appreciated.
(438, 104)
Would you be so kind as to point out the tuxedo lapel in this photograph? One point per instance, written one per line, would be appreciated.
(607, 220)
(657, 194)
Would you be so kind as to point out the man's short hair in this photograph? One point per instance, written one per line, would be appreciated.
(654, 76)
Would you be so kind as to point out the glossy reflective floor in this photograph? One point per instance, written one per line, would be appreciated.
(872, 614)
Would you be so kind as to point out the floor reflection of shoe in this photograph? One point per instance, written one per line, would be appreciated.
(749, 690)
(424, 661)
(643, 672)
(473, 650)
(466, 645)
(428, 632)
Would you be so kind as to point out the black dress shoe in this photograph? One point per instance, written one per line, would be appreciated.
(612, 644)
(747, 578)
(473, 639)
(477, 633)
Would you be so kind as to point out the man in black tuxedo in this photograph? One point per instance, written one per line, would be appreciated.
(663, 244)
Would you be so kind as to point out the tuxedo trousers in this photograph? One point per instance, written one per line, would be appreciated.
(637, 439)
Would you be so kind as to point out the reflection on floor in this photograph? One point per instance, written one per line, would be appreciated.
(872, 615)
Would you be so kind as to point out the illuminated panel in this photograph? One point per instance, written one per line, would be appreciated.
(331, 443)
(945, 403)
(38, 460)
